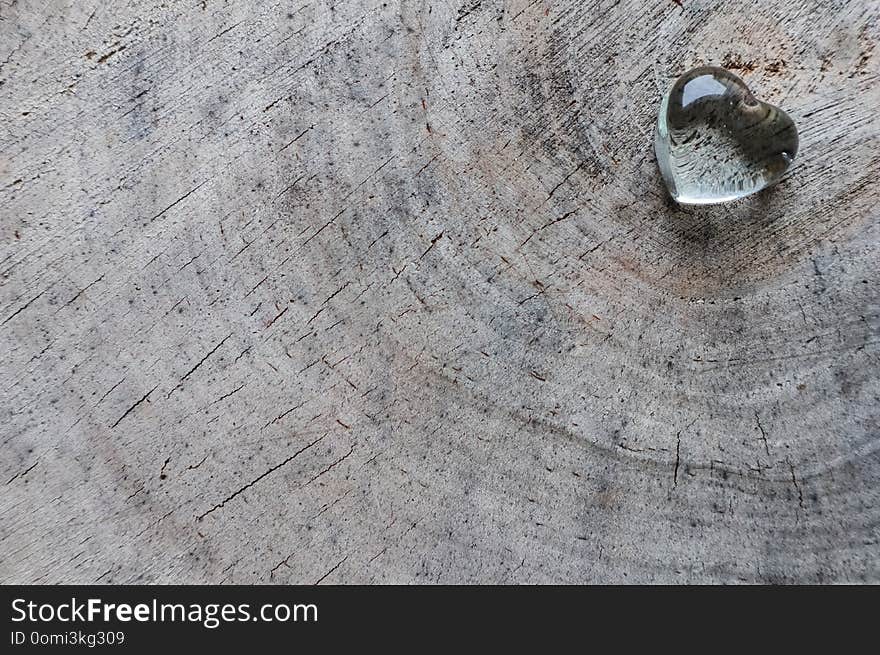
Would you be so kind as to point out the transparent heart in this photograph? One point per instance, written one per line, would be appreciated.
(716, 142)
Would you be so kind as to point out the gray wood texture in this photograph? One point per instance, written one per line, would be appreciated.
(369, 292)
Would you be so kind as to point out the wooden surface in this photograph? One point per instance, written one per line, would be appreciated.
(392, 292)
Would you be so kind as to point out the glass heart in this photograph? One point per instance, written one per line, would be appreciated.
(716, 142)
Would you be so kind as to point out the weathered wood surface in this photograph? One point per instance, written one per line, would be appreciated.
(391, 292)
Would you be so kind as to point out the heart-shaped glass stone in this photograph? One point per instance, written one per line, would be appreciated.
(715, 142)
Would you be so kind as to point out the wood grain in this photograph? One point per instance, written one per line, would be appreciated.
(392, 292)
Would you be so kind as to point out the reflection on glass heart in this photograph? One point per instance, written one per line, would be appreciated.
(715, 142)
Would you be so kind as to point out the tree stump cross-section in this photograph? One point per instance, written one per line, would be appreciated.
(372, 292)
